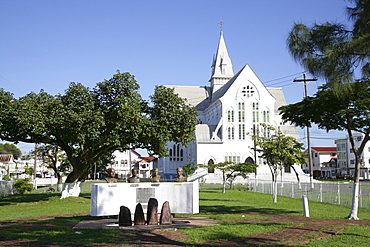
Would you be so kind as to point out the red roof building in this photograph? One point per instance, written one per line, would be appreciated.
(323, 162)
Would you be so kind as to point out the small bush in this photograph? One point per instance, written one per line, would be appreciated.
(23, 185)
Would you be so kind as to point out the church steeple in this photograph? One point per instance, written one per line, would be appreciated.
(222, 68)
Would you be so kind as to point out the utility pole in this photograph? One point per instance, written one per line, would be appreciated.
(305, 80)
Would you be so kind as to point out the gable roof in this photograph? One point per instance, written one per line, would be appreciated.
(147, 158)
(324, 149)
(6, 157)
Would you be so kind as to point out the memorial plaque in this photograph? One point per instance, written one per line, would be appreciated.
(144, 194)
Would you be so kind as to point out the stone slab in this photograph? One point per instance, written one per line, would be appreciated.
(178, 222)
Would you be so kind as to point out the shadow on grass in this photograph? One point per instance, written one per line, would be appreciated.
(59, 231)
(245, 209)
(33, 197)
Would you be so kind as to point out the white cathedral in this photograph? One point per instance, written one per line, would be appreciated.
(228, 111)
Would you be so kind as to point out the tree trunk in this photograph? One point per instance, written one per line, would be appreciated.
(356, 189)
(224, 182)
(60, 182)
(71, 189)
(274, 174)
(297, 175)
(274, 193)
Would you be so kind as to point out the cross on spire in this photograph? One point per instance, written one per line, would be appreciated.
(221, 24)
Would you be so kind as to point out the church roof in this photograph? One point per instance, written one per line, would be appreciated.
(196, 96)
(278, 94)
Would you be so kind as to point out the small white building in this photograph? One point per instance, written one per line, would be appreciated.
(324, 162)
(125, 161)
(346, 157)
(229, 109)
(7, 165)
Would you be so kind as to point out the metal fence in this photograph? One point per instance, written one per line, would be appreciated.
(6, 188)
(330, 192)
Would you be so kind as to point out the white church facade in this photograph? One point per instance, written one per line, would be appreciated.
(229, 110)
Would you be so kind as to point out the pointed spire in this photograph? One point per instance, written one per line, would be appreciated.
(222, 68)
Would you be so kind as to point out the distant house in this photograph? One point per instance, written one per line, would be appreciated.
(324, 162)
(145, 166)
(125, 161)
(346, 157)
(7, 165)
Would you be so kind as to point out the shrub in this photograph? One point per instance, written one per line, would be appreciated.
(23, 185)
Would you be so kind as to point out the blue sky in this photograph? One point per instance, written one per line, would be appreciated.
(45, 44)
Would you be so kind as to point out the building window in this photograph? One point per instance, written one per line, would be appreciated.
(241, 112)
(287, 169)
(176, 153)
(230, 116)
(234, 159)
(210, 168)
(230, 133)
(266, 131)
(241, 131)
(266, 116)
(248, 91)
(255, 115)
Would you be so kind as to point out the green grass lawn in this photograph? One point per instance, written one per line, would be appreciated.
(212, 205)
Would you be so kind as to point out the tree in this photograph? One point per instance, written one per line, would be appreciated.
(6, 148)
(279, 151)
(350, 113)
(89, 123)
(340, 55)
(333, 51)
(239, 170)
(189, 169)
(22, 185)
(232, 170)
(53, 156)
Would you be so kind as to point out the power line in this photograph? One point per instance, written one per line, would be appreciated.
(283, 77)
(10, 84)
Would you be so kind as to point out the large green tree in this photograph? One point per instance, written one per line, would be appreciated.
(278, 151)
(340, 55)
(7, 148)
(87, 123)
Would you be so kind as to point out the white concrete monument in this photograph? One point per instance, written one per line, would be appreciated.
(107, 198)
